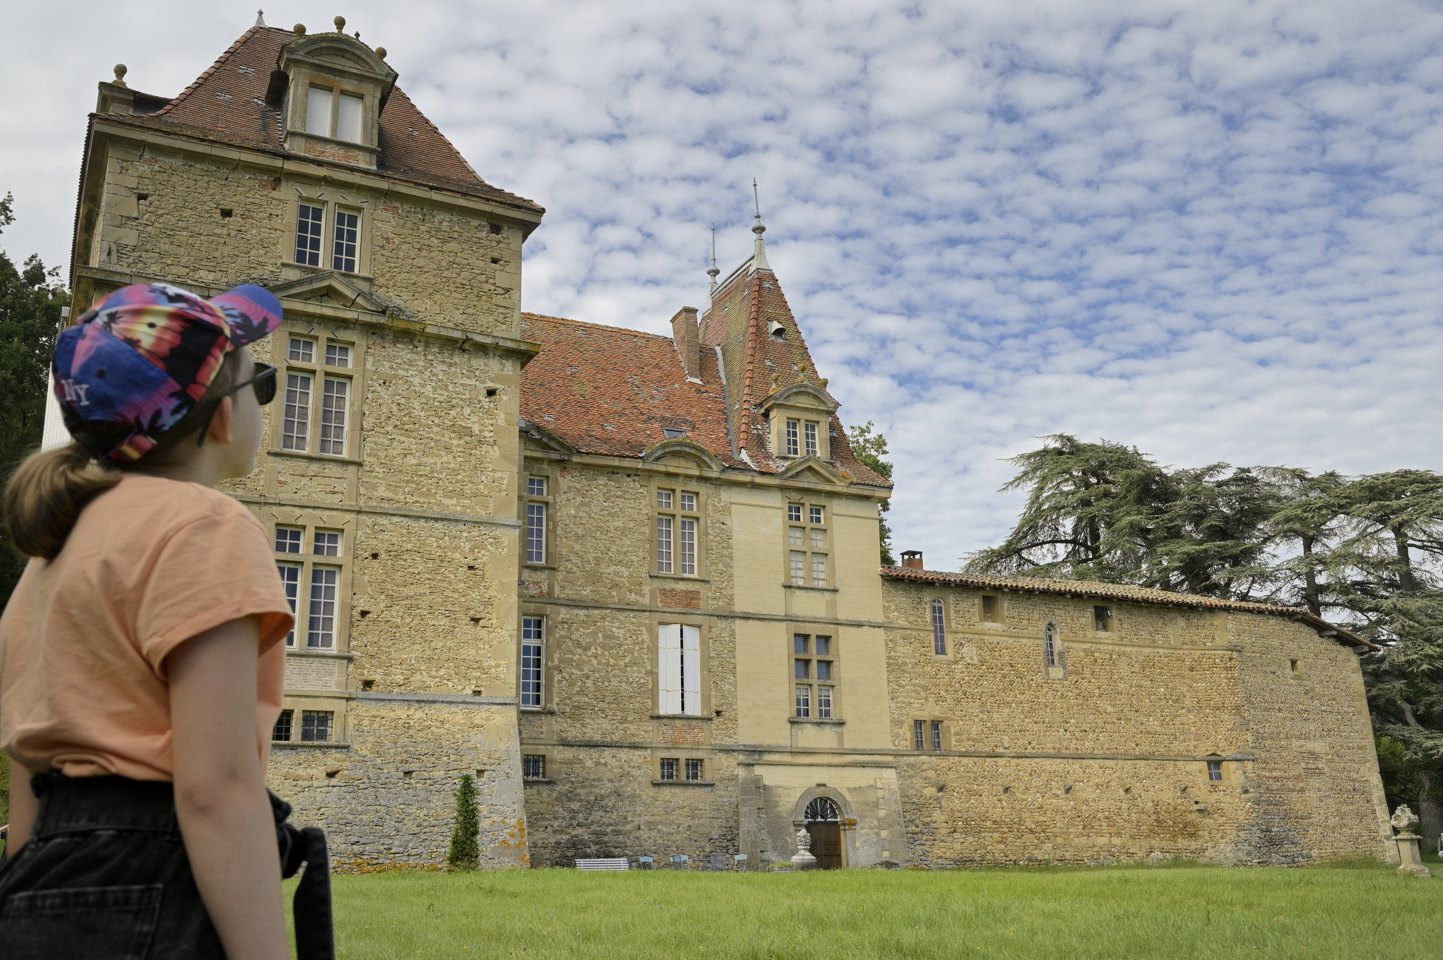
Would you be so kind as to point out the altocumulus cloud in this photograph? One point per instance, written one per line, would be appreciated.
(1212, 231)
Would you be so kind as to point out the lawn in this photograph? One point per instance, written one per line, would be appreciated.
(1353, 911)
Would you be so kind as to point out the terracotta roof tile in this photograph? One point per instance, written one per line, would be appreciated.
(1117, 591)
(610, 391)
(227, 103)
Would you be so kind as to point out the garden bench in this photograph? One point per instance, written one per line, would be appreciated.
(603, 863)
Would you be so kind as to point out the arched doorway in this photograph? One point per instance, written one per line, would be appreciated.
(823, 822)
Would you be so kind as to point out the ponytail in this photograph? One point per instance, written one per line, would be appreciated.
(46, 494)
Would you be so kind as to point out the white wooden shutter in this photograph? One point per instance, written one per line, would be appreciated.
(691, 670)
(668, 668)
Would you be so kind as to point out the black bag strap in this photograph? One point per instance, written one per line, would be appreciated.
(311, 906)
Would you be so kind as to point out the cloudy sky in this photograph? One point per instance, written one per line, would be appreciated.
(1210, 230)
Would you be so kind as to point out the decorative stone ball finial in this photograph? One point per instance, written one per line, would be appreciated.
(299, 29)
(120, 71)
(340, 23)
(381, 52)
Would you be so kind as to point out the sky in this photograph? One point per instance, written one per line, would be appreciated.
(1207, 230)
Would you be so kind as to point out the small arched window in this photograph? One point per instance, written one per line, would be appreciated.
(939, 629)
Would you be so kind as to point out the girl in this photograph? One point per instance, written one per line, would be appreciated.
(140, 654)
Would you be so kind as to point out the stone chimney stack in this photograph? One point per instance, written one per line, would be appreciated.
(687, 337)
(912, 559)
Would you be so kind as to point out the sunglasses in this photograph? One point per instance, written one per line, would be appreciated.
(264, 385)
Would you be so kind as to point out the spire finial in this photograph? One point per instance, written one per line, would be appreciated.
(759, 254)
(712, 271)
(260, 18)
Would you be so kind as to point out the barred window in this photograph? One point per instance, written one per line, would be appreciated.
(693, 769)
(316, 726)
(281, 732)
(533, 766)
(919, 731)
(668, 768)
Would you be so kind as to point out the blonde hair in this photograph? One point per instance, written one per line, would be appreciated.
(50, 488)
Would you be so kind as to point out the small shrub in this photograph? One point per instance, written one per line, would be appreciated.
(465, 853)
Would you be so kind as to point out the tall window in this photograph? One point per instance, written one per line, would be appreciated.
(809, 434)
(318, 395)
(345, 236)
(808, 557)
(813, 677)
(312, 581)
(281, 732)
(538, 503)
(793, 426)
(678, 669)
(939, 628)
(676, 532)
(533, 636)
(1052, 650)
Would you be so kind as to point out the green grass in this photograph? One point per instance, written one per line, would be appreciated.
(1349, 911)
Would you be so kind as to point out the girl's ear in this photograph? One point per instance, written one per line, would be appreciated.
(220, 423)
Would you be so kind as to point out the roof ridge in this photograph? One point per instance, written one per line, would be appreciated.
(209, 71)
(591, 323)
(753, 318)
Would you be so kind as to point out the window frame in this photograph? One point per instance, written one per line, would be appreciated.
(682, 690)
(669, 555)
(527, 765)
(937, 611)
(325, 236)
(1054, 656)
(305, 560)
(322, 437)
(807, 541)
(816, 675)
(539, 642)
(329, 127)
(931, 734)
(998, 613)
(538, 504)
(331, 727)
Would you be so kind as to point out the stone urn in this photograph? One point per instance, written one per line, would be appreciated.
(804, 859)
(1410, 861)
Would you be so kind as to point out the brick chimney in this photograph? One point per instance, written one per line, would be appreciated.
(685, 335)
(912, 559)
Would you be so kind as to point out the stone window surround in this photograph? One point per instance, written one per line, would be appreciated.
(1000, 601)
(299, 702)
(701, 623)
(545, 766)
(547, 658)
(808, 410)
(340, 73)
(310, 521)
(833, 656)
(807, 502)
(674, 485)
(681, 756)
(1104, 618)
(946, 625)
(330, 201)
(1057, 668)
(321, 334)
(544, 469)
(927, 720)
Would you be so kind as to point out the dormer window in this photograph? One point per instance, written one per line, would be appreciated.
(330, 115)
(810, 437)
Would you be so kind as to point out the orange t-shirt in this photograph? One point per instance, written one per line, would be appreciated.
(151, 563)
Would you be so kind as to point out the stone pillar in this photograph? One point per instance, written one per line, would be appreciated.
(1404, 820)
(804, 859)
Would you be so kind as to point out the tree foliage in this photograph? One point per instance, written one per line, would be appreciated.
(30, 300)
(870, 447)
(1365, 552)
(465, 852)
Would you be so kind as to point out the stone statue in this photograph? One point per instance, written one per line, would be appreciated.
(1410, 863)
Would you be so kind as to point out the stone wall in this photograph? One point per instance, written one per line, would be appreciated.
(1106, 757)
(387, 796)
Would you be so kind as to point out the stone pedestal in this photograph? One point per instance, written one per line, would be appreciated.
(1411, 861)
(804, 859)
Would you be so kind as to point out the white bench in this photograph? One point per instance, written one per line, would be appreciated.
(603, 863)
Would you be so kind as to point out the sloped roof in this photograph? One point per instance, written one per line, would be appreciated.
(227, 103)
(610, 391)
(1099, 590)
(758, 365)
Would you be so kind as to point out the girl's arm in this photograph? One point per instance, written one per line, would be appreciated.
(22, 808)
(220, 794)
